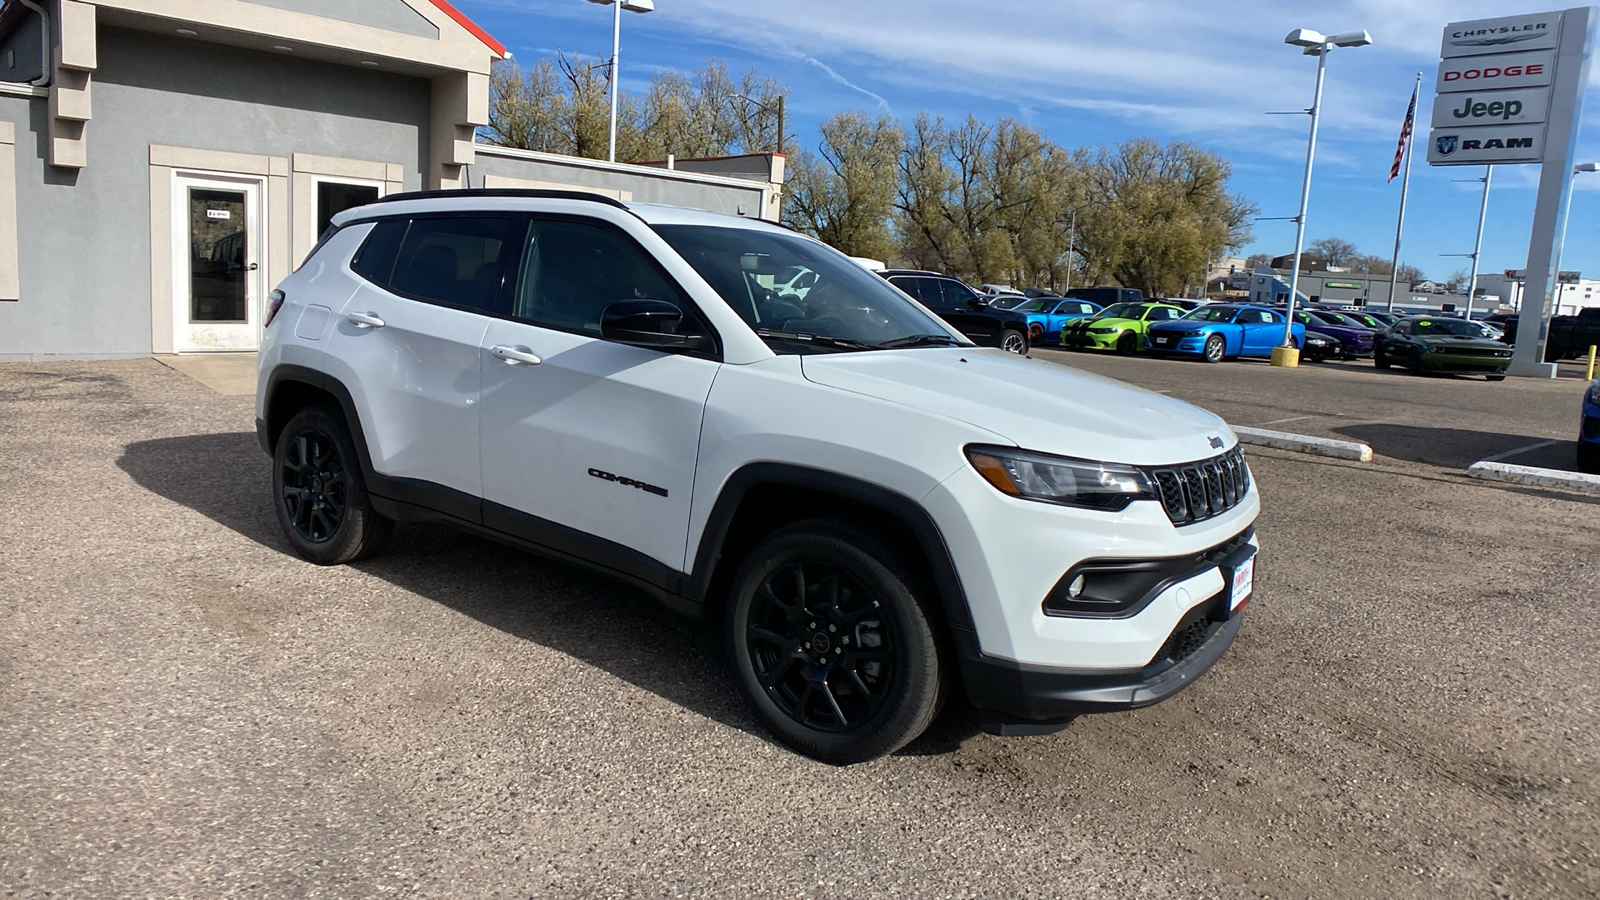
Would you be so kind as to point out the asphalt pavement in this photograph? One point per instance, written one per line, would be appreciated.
(188, 710)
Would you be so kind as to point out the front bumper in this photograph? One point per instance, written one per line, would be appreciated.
(1089, 341)
(1462, 364)
(1195, 344)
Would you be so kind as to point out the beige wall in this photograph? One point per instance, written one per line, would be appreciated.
(10, 282)
(310, 169)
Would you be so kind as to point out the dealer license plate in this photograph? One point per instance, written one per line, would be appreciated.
(1163, 340)
(1244, 578)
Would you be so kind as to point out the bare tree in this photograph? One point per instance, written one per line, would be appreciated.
(1334, 251)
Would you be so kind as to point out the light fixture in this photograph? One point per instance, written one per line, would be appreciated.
(188, 32)
(369, 62)
(1305, 37)
(282, 49)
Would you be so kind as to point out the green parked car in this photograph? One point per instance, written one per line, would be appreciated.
(1441, 344)
(1120, 327)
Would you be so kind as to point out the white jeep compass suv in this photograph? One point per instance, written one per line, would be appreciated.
(877, 511)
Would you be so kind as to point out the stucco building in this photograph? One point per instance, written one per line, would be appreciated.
(164, 163)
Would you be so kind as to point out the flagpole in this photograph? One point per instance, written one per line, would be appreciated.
(1405, 187)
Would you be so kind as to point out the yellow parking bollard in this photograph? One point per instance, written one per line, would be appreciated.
(1588, 374)
(1288, 357)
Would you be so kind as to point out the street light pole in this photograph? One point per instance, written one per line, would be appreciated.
(1305, 198)
(1477, 247)
(638, 6)
(1315, 43)
(616, 76)
(1072, 240)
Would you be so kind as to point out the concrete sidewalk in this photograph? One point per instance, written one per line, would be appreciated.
(230, 374)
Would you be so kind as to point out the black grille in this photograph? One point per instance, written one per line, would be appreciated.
(1185, 641)
(1199, 490)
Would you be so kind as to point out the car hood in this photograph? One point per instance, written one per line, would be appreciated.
(1433, 341)
(1182, 325)
(1031, 403)
(1341, 331)
(1099, 323)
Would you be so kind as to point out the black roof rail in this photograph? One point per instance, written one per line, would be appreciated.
(525, 193)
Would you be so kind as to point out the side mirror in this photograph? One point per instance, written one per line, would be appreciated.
(646, 323)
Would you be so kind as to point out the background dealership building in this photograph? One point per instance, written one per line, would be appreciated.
(164, 163)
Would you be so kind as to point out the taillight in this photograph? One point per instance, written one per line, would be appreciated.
(274, 303)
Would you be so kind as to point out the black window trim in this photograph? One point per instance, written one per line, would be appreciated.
(510, 280)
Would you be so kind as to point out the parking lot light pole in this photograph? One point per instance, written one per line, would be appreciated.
(1317, 44)
(638, 6)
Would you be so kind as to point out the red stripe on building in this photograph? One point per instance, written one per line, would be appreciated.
(468, 24)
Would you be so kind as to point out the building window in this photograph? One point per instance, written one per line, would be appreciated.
(334, 197)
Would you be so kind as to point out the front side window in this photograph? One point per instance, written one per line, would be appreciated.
(846, 307)
(572, 271)
(955, 293)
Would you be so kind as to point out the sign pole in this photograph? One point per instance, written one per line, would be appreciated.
(1405, 188)
(1555, 187)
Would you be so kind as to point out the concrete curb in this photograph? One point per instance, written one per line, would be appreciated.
(1304, 443)
(1535, 477)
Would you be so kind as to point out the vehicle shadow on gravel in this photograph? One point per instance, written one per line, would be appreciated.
(1458, 448)
(603, 623)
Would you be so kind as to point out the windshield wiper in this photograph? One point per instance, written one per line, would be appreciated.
(923, 340)
(823, 340)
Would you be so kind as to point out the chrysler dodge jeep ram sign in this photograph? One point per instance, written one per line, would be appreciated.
(1492, 95)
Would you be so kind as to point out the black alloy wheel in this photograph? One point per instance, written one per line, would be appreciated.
(313, 491)
(1127, 343)
(1214, 349)
(319, 491)
(829, 645)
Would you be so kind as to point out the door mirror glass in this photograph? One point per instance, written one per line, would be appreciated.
(646, 323)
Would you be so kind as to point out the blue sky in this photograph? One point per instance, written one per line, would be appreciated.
(1087, 73)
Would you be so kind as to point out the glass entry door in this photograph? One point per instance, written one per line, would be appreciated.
(218, 278)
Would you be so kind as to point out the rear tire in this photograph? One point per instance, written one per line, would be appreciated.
(1495, 377)
(320, 492)
(1214, 349)
(830, 645)
(1014, 340)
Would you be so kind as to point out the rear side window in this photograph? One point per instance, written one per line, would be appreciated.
(458, 261)
(913, 286)
(376, 257)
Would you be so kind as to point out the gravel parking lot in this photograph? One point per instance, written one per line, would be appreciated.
(189, 711)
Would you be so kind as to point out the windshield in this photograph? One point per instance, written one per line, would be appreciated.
(1119, 311)
(1338, 318)
(1449, 327)
(1213, 314)
(845, 307)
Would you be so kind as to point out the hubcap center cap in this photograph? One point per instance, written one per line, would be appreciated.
(819, 643)
(316, 484)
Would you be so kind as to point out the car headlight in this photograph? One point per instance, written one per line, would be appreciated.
(1057, 479)
(1103, 329)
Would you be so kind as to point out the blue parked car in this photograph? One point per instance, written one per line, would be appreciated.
(1589, 431)
(1046, 315)
(1217, 331)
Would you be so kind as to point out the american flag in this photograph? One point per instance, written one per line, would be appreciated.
(1405, 134)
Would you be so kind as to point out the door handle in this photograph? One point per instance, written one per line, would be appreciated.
(515, 356)
(363, 320)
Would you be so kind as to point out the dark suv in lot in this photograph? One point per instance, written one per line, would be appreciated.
(964, 308)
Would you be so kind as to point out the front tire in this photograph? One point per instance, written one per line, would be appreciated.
(830, 645)
(1380, 359)
(1014, 340)
(1214, 349)
(1127, 343)
(1588, 458)
(320, 493)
